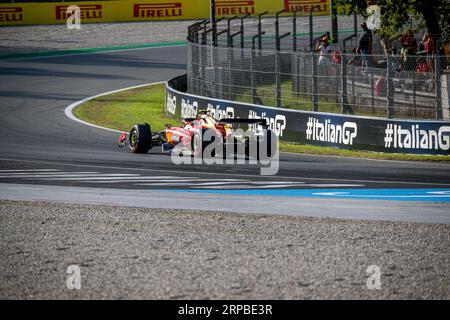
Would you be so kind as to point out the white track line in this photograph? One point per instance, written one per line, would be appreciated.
(43, 174)
(236, 187)
(69, 110)
(7, 171)
(252, 183)
(113, 178)
(241, 186)
(174, 184)
(388, 196)
(100, 178)
(152, 180)
(333, 185)
(126, 180)
(252, 176)
(75, 176)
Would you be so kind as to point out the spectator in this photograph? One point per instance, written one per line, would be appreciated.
(318, 41)
(328, 36)
(408, 52)
(429, 48)
(356, 59)
(365, 44)
(336, 57)
(428, 44)
(325, 51)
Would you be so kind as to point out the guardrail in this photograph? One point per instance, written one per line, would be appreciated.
(316, 128)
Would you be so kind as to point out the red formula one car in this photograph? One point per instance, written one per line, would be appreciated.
(197, 133)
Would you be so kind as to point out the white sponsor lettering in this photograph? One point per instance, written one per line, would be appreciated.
(217, 113)
(277, 124)
(171, 103)
(329, 132)
(188, 110)
(397, 137)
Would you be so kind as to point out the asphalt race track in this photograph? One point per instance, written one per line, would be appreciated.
(140, 226)
(41, 146)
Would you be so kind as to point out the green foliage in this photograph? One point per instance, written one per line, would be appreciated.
(435, 14)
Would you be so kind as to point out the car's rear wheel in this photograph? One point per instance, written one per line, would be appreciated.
(199, 144)
(140, 138)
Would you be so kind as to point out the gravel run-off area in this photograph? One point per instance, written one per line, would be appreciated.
(175, 254)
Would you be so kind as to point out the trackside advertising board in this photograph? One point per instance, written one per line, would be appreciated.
(144, 10)
(321, 129)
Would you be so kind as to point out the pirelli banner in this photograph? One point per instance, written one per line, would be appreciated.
(144, 10)
(321, 129)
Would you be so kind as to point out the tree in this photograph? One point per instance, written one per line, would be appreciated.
(395, 14)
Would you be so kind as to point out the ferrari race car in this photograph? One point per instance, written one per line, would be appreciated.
(194, 136)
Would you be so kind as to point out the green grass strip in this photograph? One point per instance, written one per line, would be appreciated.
(146, 104)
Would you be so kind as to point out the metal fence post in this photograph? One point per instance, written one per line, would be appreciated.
(372, 89)
(278, 72)
(304, 76)
(297, 76)
(277, 33)
(190, 70)
(344, 104)
(311, 31)
(215, 69)
(334, 22)
(203, 62)
(277, 62)
(437, 86)
(229, 73)
(252, 70)
(414, 93)
(277, 79)
(294, 32)
(390, 87)
(242, 30)
(229, 30)
(231, 81)
(260, 29)
(259, 32)
(314, 82)
(294, 57)
(353, 85)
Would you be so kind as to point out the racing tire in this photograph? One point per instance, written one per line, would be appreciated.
(140, 138)
(198, 145)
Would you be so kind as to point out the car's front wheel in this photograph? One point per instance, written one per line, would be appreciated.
(140, 138)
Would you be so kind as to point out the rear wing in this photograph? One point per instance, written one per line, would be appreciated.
(261, 122)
